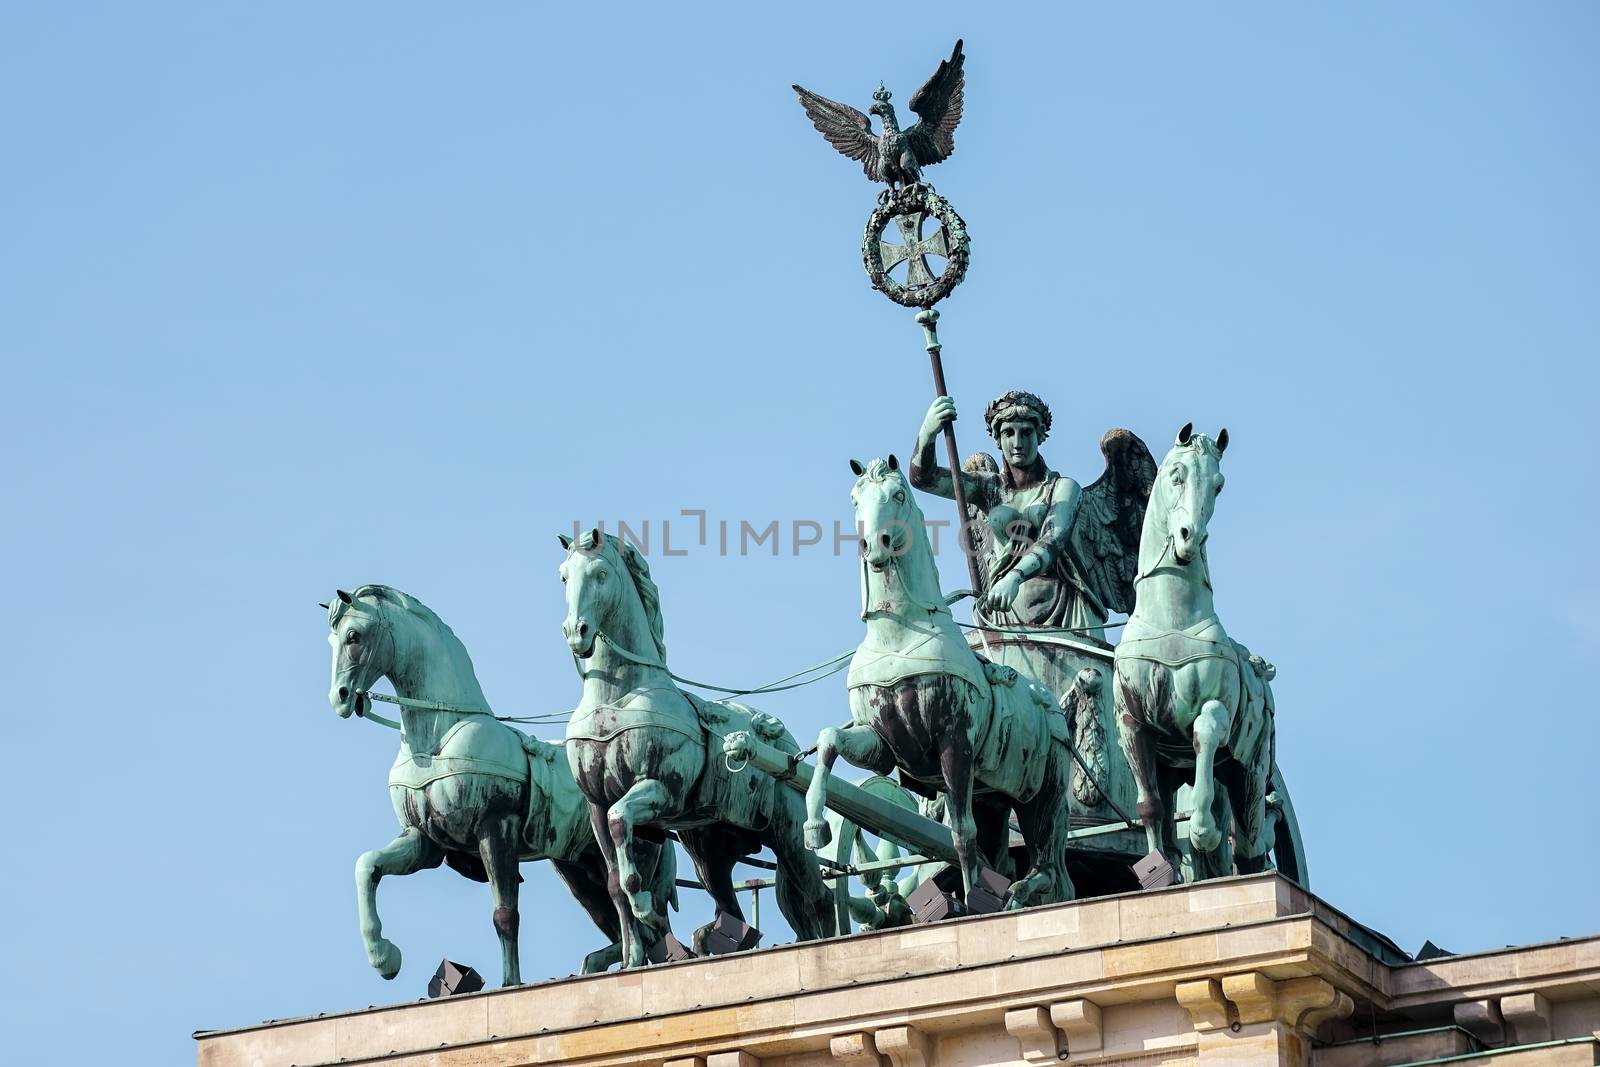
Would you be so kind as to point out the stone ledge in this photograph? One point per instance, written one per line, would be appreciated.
(1079, 967)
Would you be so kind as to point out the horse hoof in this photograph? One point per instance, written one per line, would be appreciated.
(1204, 838)
(385, 958)
(601, 959)
(643, 903)
(818, 834)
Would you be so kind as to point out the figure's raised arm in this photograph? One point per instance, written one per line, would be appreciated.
(927, 473)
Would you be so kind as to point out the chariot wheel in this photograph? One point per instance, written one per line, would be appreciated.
(1288, 851)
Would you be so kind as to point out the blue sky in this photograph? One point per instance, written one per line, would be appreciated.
(296, 297)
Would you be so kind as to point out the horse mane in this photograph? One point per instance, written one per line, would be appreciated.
(649, 594)
(878, 470)
(1198, 442)
(407, 603)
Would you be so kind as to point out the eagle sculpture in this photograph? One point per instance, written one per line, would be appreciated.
(894, 155)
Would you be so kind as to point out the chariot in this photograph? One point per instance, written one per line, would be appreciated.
(883, 828)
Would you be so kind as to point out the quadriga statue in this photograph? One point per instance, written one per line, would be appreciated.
(649, 756)
(469, 790)
(1192, 703)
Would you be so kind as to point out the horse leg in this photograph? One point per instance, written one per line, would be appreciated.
(1045, 822)
(1210, 731)
(1217, 863)
(498, 847)
(585, 879)
(1168, 781)
(860, 746)
(803, 897)
(994, 836)
(632, 947)
(713, 852)
(1246, 788)
(406, 854)
(645, 803)
(955, 765)
(1134, 739)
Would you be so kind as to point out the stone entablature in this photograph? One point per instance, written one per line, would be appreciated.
(1247, 970)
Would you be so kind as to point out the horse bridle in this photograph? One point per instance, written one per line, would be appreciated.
(364, 695)
(1169, 546)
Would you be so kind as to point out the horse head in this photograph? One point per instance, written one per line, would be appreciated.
(610, 593)
(1188, 482)
(886, 514)
(362, 637)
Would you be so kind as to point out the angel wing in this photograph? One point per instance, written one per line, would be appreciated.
(983, 546)
(846, 129)
(1105, 533)
(938, 105)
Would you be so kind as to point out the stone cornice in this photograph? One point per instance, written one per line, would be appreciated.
(878, 999)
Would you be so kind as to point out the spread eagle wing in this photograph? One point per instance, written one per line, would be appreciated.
(938, 105)
(1105, 533)
(846, 129)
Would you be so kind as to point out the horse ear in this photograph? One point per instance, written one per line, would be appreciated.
(1222, 441)
(1185, 433)
(592, 538)
(894, 464)
(566, 542)
(856, 468)
(323, 605)
(344, 597)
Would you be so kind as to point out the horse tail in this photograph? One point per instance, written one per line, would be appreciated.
(669, 866)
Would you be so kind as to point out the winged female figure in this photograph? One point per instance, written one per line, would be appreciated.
(1056, 555)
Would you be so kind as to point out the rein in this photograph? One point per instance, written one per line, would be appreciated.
(454, 709)
(835, 664)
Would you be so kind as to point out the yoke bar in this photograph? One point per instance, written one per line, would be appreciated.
(905, 828)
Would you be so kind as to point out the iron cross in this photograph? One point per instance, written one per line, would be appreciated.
(915, 250)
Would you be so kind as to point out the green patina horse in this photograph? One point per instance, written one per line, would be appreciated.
(1192, 704)
(649, 758)
(923, 701)
(469, 790)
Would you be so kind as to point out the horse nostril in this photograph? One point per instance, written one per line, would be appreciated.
(1183, 532)
(344, 692)
(583, 629)
(863, 546)
(883, 539)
